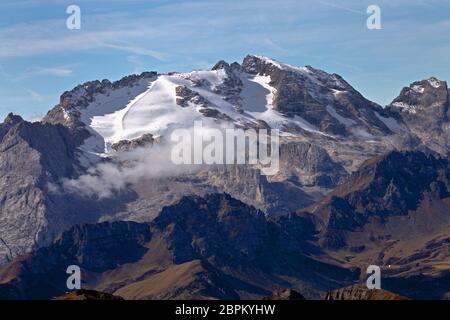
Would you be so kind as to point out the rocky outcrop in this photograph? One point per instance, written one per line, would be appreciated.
(285, 294)
(90, 295)
(32, 157)
(250, 186)
(361, 292)
(311, 165)
(424, 107)
(393, 212)
(317, 97)
(424, 98)
(388, 185)
(186, 95)
(145, 140)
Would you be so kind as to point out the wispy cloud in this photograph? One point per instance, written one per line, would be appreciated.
(39, 71)
(180, 35)
(35, 96)
(342, 7)
(137, 51)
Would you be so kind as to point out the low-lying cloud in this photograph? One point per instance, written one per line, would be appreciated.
(108, 177)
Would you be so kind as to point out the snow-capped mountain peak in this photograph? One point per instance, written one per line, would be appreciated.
(259, 92)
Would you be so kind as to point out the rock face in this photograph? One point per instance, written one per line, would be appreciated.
(325, 100)
(391, 185)
(393, 212)
(248, 185)
(424, 107)
(311, 165)
(145, 140)
(32, 156)
(383, 185)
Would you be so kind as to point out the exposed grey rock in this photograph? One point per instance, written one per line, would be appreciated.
(34, 157)
(31, 157)
(185, 95)
(392, 185)
(248, 185)
(311, 165)
(310, 93)
(145, 140)
(361, 292)
(424, 107)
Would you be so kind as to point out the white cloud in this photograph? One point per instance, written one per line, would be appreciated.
(128, 168)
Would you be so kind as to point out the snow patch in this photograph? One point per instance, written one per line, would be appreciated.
(391, 123)
(418, 89)
(271, 61)
(361, 133)
(213, 77)
(337, 92)
(345, 121)
(104, 105)
(405, 107)
(434, 82)
(305, 125)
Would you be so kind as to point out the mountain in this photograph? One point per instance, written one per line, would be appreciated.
(424, 107)
(34, 157)
(260, 92)
(321, 101)
(201, 248)
(393, 212)
(357, 184)
(82, 119)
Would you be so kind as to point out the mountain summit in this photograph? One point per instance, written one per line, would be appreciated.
(258, 92)
(369, 184)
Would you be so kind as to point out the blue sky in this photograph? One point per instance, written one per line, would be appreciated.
(40, 58)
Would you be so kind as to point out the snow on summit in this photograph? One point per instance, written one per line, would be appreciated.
(260, 92)
(128, 113)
